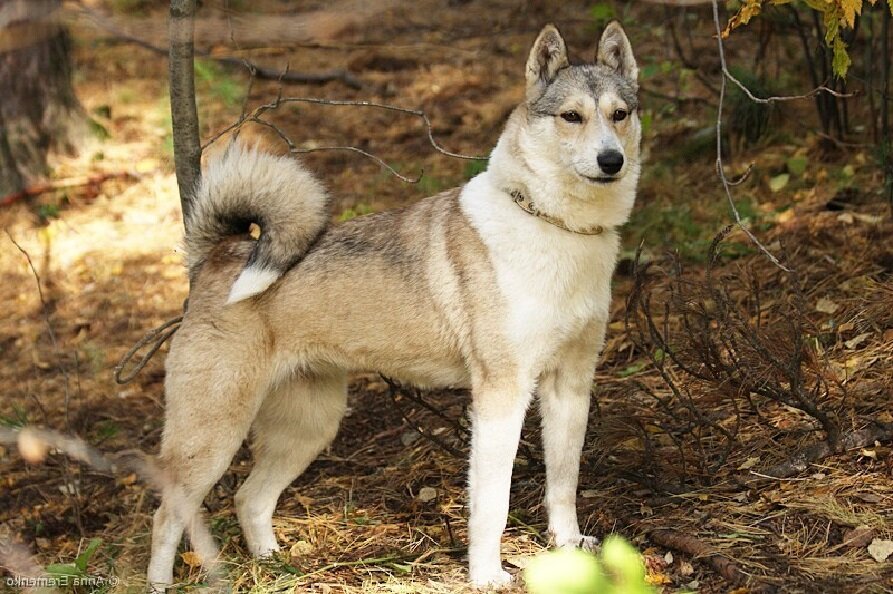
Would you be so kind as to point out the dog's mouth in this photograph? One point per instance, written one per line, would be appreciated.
(601, 179)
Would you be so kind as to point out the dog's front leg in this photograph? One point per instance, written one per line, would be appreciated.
(564, 408)
(497, 417)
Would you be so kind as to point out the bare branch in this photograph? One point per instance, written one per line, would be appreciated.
(323, 76)
(345, 102)
(719, 165)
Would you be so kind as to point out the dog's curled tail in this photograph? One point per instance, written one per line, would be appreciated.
(243, 186)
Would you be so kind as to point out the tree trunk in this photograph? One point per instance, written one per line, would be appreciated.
(39, 111)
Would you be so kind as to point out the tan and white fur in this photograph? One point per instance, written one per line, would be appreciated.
(461, 289)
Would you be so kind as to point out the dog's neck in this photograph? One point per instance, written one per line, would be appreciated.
(517, 166)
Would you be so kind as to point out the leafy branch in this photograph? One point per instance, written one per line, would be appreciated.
(837, 16)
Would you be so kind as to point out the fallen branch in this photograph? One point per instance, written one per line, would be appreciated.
(690, 545)
(801, 460)
(59, 184)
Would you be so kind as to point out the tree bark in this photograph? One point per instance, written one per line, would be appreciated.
(39, 111)
(184, 115)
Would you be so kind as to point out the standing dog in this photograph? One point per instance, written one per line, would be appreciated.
(502, 286)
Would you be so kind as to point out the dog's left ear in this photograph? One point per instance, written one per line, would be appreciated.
(547, 56)
(615, 52)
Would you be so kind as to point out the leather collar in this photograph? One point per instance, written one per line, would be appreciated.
(526, 204)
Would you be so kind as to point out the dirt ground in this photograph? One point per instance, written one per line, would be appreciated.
(383, 510)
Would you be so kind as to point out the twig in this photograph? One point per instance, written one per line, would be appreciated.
(719, 165)
(294, 149)
(256, 117)
(259, 111)
(71, 492)
(323, 76)
(393, 388)
(59, 184)
(156, 337)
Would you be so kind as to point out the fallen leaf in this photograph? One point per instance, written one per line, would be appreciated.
(657, 579)
(785, 216)
(858, 537)
(302, 548)
(857, 340)
(846, 217)
(868, 218)
(825, 305)
(880, 549)
(191, 558)
(749, 463)
(778, 182)
(427, 494)
(519, 561)
(686, 569)
(868, 453)
(796, 164)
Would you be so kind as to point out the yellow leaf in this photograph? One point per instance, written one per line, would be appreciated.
(850, 9)
(657, 579)
(191, 558)
(748, 10)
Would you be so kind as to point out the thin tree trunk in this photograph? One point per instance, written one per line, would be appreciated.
(184, 115)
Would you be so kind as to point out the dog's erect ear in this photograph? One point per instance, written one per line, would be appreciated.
(615, 52)
(547, 56)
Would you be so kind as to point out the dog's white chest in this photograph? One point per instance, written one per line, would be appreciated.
(554, 282)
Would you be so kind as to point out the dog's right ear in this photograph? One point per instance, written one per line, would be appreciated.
(547, 56)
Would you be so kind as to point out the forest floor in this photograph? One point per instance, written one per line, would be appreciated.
(383, 510)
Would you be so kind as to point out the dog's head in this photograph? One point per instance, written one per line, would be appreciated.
(584, 118)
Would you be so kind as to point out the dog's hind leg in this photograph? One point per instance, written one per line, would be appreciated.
(296, 421)
(212, 395)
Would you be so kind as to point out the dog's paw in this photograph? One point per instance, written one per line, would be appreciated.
(495, 579)
(264, 550)
(577, 541)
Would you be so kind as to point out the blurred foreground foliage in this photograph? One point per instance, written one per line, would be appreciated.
(618, 569)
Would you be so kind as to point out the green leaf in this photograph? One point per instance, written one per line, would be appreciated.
(84, 558)
(797, 164)
(778, 182)
(841, 60)
(832, 23)
(64, 569)
(632, 369)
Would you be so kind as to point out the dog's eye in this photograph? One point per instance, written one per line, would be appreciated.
(572, 116)
(619, 115)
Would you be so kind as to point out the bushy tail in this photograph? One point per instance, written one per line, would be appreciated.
(244, 186)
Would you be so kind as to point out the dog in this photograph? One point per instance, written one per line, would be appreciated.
(501, 286)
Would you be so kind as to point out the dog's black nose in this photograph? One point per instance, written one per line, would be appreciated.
(610, 161)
